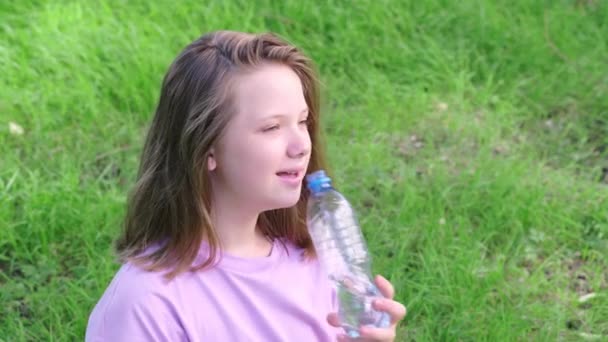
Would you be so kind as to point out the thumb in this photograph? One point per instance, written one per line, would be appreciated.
(333, 320)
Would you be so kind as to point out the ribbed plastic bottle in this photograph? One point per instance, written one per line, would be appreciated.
(343, 252)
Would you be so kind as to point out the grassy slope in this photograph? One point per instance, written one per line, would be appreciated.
(470, 136)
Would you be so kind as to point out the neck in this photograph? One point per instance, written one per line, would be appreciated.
(238, 231)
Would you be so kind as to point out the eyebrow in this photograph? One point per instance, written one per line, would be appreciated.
(272, 116)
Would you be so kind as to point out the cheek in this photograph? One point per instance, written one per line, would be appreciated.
(267, 155)
(309, 144)
(254, 158)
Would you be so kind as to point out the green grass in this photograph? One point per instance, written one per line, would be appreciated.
(471, 137)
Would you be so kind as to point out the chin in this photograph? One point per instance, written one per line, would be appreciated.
(285, 202)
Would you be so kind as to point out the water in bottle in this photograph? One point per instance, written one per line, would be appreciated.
(343, 252)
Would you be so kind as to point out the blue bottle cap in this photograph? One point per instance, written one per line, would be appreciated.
(318, 181)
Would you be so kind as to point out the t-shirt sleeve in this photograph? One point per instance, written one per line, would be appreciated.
(132, 314)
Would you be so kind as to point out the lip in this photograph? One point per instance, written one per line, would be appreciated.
(292, 180)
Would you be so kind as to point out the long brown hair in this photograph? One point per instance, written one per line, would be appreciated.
(169, 207)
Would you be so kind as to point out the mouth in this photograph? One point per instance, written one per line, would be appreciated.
(291, 174)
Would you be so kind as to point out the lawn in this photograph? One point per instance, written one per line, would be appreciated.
(471, 136)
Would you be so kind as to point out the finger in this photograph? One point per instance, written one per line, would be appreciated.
(343, 338)
(377, 334)
(333, 319)
(385, 287)
(396, 310)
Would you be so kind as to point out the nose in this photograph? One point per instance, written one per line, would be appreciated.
(299, 144)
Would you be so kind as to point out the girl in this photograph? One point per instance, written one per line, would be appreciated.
(215, 245)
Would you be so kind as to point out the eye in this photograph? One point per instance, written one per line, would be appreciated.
(271, 128)
(304, 122)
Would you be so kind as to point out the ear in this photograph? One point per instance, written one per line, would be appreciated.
(211, 162)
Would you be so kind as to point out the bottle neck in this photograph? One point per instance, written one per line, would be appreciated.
(321, 190)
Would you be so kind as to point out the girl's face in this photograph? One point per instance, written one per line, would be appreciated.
(262, 157)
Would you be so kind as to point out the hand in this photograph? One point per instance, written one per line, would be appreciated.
(395, 309)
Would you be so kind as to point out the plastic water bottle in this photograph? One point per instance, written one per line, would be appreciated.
(342, 251)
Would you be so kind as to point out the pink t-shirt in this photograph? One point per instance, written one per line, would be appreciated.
(281, 297)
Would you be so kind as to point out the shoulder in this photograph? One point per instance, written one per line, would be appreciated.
(137, 305)
(308, 269)
(300, 263)
(298, 255)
